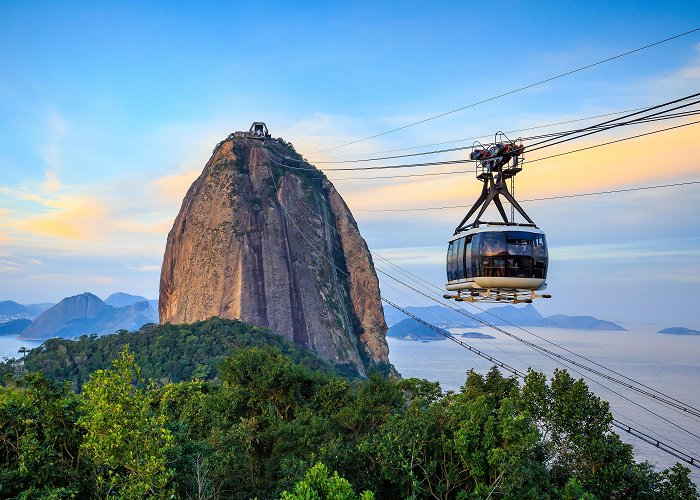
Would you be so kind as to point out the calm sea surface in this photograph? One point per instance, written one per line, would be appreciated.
(9, 345)
(668, 363)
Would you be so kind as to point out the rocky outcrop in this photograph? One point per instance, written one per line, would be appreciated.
(276, 246)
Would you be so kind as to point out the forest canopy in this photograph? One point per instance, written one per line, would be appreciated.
(276, 423)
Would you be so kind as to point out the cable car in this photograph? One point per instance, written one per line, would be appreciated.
(503, 260)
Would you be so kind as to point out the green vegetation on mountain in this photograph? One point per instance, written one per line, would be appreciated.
(166, 353)
(273, 425)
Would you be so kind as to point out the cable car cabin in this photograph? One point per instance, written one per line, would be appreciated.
(497, 262)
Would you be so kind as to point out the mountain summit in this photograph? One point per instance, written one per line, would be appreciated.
(269, 241)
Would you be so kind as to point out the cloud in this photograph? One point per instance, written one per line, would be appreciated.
(56, 127)
(172, 187)
(683, 80)
(51, 183)
(144, 267)
(676, 249)
(72, 217)
(9, 266)
(83, 279)
(411, 255)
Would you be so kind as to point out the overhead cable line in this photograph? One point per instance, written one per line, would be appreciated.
(660, 397)
(615, 141)
(430, 174)
(660, 444)
(669, 449)
(547, 137)
(545, 198)
(463, 161)
(422, 283)
(690, 459)
(504, 94)
(615, 122)
(415, 278)
(529, 161)
(467, 139)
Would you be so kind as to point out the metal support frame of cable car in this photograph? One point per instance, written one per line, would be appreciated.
(494, 187)
(488, 295)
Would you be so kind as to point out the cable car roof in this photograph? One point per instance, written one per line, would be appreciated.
(489, 227)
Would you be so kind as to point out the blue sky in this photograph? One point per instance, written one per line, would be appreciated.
(109, 110)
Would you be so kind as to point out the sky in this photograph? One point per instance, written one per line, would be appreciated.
(109, 111)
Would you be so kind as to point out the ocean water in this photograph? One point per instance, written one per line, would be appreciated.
(10, 344)
(668, 363)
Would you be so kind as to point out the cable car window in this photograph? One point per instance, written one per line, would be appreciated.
(468, 258)
(476, 256)
(459, 259)
(519, 254)
(539, 257)
(493, 253)
(450, 261)
(493, 244)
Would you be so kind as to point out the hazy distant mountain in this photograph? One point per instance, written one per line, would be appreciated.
(438, 315)
(521, 316)
(121, 299)
(499, 316)
(679, 330)
(87, 314)
(8, 307)
(10, 310)
(13, 327)
(477, 335)
(582, 323)
(392, 315)
(410, 329)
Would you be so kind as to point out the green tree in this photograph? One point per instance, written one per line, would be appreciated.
(40, 441)
(126, 441)
(318, 484)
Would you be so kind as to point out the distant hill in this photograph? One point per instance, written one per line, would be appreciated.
(121, 299)
(521, 316)
(410, 329)
(10, 310)
(13, 327)
(439, 315)
(477, 335)
(581, 323)
(8, 307)
(500, 316)
(87, 314)
(679, 330)
(166, 353)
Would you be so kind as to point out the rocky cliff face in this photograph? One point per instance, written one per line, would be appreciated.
(275, 247)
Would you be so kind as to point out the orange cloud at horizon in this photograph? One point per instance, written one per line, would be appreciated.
(73, 217)
(172, 187)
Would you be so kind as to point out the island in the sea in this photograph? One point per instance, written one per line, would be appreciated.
(679, 330)
(410, 329)
(477, 335)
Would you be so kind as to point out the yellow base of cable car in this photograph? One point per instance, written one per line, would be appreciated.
(497, 289)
